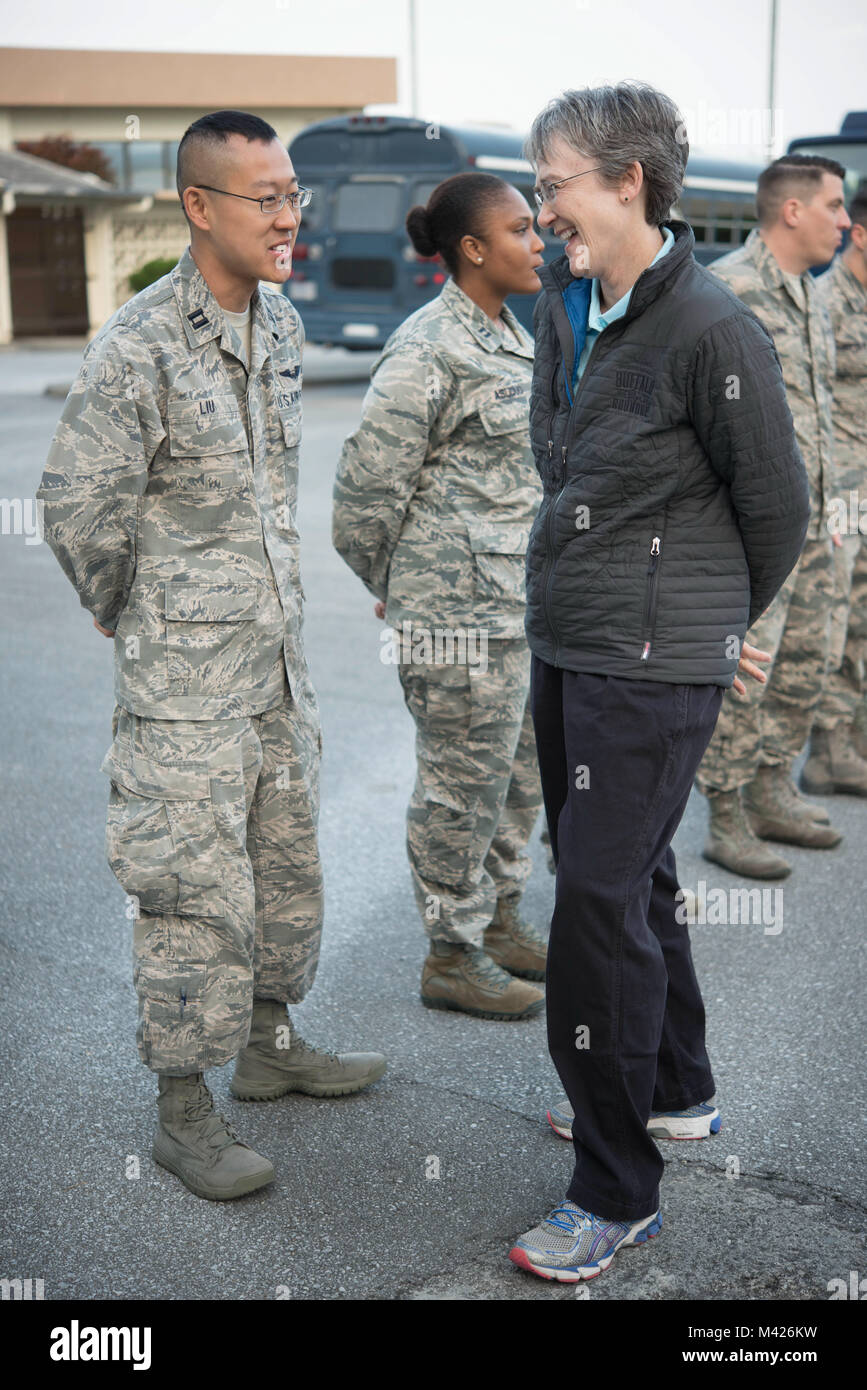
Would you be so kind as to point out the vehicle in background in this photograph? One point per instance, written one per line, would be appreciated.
(849, 148)
(355, 274)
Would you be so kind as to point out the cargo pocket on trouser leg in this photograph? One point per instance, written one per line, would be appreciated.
(440, 842)
(162, 841)
(443, 812)
(192, 969)
(171, 998)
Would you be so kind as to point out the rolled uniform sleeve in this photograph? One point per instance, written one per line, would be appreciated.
(738, 407)
(97, 469)
(382, 460)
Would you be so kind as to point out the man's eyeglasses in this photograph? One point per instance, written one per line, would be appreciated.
(274, 202)
(547, 192)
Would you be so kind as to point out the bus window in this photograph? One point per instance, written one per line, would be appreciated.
(413, 147)
(313, 216)
(367, 207)
(422, 191)
(851, 154)
(719, 223)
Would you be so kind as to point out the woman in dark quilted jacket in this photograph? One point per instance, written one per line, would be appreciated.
(675, 504)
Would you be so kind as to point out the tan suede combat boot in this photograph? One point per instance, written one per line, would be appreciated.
(277, 1060)
(858, 729)
(834, 764)
(732, 843)
(774, 784)
(465, 978)
(514, 944)
(775, 812)
(199, 1147)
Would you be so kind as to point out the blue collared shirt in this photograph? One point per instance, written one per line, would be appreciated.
(574, 297)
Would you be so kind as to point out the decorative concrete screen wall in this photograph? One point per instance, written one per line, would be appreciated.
(145, 236)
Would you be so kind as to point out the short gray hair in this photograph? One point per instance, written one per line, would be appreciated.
(614, 126)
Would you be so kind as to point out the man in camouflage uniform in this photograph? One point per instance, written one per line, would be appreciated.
(838, 746)
(746, 773)
(169, 499)
(433, 502)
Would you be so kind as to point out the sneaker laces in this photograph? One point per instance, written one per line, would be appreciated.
(573, 1218)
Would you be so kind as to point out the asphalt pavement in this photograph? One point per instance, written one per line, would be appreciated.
(771, 1209)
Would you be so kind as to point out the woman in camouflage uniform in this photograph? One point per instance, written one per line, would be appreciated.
(434, 498)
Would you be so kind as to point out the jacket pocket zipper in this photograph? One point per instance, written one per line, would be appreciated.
(651, 599)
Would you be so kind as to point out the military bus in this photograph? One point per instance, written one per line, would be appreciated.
(849, 148)
(355, 274)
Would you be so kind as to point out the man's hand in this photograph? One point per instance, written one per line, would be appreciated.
(104, 630)
(747, 664)
(379, 608)
(837, 539)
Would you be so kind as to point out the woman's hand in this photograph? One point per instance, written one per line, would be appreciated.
(749, 657)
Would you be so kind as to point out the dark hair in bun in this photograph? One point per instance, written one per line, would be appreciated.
(458, 207)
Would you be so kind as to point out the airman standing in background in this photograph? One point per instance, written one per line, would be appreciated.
(435, 495)
(838, 746)
(746, 773)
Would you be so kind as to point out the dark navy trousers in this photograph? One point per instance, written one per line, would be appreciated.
(626, 1020)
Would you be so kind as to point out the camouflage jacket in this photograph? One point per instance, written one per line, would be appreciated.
(436, 490)
(846, 300)
(798, 322)
(169, 499)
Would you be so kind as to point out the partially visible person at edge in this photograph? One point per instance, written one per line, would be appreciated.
(675, 504)
(746, 773)
(838, 744)
(169, 495)
(435, 495)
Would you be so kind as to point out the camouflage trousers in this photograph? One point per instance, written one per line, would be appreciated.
(212, 832)
(477, 794)
(845, 690)
(772, 722)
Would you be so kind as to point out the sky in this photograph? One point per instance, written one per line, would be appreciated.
(500, 61)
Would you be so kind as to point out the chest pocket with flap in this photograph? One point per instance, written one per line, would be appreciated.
(507, 415)
(206, 427)
(210, 638)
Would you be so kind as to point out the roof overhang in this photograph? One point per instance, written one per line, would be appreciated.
(62, 77)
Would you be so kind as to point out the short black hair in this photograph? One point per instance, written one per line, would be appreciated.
(458, 207)
(857, 209)
(788, 175)
(215, 129)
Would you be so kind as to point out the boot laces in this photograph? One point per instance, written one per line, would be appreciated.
(522, 932)
(300, 1044)
(510, 921)
(481, 967)
(199, 1108)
